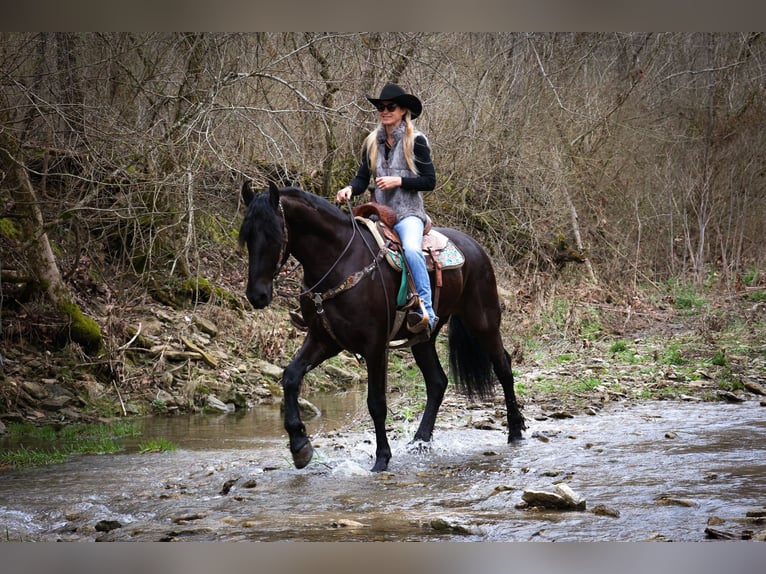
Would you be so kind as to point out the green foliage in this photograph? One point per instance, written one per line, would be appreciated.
(751, 277)
(757, 296)
(562, 386)
(719, 358)
(727, 382)
(618, 347)
(686, 296)
(33, 446)
(156, 445)
(672, 355)
(23, 456)
(590, 325)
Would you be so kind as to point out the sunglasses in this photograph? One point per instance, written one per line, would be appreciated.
(390, 107)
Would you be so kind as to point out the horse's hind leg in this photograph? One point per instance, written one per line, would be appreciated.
(310, 355)
(501, 363)
(486, 329)
(436, 383)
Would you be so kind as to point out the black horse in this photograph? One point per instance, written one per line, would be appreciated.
(349, 302)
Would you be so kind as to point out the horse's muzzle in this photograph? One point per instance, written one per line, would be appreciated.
(259, 299)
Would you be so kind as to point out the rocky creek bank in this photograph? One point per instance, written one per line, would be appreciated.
(212, 358)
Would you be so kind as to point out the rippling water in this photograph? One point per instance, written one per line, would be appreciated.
(232, 479)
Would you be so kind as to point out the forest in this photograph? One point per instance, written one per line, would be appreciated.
(609, 164)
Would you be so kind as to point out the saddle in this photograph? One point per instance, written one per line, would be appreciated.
(439, 251)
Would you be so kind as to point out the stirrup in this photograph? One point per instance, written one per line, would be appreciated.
(416, 323)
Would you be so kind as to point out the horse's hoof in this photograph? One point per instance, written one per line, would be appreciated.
(381, 464)
(303, 455)
(419, 446)
(515, 437)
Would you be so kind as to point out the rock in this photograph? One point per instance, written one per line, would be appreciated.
(444, 525)
(308, 409)
(132, 408)
(760, 536)
(166, 378)
(214, 403)
(665, 500)
(754, 387)
(150, 327)
(165, 397)
(715, 521)
(36, 390)
(720, 534)
(342, 374)
(55, 403)
(107, 525)
(564, 498)
(485, 424)
(228, 485)
(94, 389)
(603, 510)
(269, 370)
(347, 523)
(575, 500)
(207, 327)
(544, 499)
(730, 397)
(71, 414)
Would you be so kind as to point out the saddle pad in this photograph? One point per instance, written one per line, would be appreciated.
(445, 251)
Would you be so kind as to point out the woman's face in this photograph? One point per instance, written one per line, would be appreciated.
(390, 118)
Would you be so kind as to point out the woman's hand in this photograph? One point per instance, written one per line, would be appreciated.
(343, 194)
(388, 182)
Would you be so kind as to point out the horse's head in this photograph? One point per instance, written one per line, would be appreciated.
(263, 231)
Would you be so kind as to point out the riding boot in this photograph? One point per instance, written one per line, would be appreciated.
(410, 231)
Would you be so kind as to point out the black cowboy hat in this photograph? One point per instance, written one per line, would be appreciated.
(394, 93)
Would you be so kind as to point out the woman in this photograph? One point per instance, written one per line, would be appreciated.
(398, 157)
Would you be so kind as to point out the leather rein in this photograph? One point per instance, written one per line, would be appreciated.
(319, 297)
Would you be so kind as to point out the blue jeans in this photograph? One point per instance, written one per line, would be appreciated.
(410, 230)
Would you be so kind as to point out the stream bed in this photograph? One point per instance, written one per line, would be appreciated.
(653, 471)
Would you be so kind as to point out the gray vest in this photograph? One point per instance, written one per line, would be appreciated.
(404, 202)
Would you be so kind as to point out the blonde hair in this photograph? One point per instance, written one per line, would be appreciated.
(408, 141)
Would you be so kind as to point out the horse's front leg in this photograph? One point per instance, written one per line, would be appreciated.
(376, 404)
(311, 353)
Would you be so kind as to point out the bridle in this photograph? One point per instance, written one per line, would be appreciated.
(283, 253)
(319, 297)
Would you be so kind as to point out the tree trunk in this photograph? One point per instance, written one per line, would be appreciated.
(37, 249)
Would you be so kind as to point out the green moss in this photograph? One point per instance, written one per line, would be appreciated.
(83, 330)
(197, 289)
(8, 229)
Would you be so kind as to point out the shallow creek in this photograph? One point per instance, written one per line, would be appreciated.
(665, 467)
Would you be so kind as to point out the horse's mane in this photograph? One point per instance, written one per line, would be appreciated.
(261, 215)
(314, 201)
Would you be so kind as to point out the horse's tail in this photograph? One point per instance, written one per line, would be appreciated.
(470, 366)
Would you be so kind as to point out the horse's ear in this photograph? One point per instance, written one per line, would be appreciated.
(274, 195)
(247, 193)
